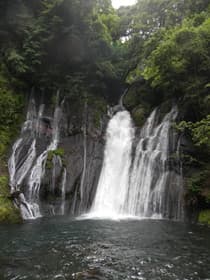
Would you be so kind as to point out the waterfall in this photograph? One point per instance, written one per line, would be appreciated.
(27, 164)
(141, 174)
(146, 185)
(23, 151)
(84, 152)
(34, 183)
(63, 192)
(38, 171)
(114, 179)
(150, 192)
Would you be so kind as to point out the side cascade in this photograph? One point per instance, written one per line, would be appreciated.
(156, 187)
(27, 164)
(147, 184)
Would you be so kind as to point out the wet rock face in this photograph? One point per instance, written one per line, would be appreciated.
(56, 161)
(82, 144)
(82, 140)
(81, 195)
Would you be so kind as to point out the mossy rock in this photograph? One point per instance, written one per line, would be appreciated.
(204, 217)
(139, 115)
(98, 108)
(141, 93)
(165, 108)
(131, 99)
(58, 152)
(8, 212)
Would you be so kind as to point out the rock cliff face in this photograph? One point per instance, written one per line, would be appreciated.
(56, 161)
(195, 160)
(83, 164)
(82, 141)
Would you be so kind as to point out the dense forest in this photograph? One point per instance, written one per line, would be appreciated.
(157, 49)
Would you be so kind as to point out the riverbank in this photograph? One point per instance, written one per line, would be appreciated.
(8, 212)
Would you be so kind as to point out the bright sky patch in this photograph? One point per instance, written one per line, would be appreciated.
(117, 3)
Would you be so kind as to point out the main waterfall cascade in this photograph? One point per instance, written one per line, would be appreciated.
(141, 174)
(147, 185)
(112, 188)
(27, 164)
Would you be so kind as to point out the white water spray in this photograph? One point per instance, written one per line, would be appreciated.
(21, 159)
(149, 189)
(144, 187)
(84, 152)
(63, 192)
(114, 179)
(38, 171)
(25, 167)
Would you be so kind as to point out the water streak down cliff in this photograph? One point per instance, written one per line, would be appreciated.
(44, 181)
(27, 164)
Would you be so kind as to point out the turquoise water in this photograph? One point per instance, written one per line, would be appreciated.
(90, 249)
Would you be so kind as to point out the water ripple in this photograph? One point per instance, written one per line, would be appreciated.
(142, 250)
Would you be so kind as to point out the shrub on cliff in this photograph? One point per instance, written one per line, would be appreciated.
(8, 213)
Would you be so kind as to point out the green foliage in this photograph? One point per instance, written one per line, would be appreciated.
(58, 152)
(198, 185)
(189, 160)
(148, 20)
(182, 55)
(98, 109)
(204, 217)
(55, 43)
(49, 164)
(195, 182)
(106, 69)
(168, 42)
(139, 115)
(10, 113)
(8, 213)
(200, 131)
(16, 62)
